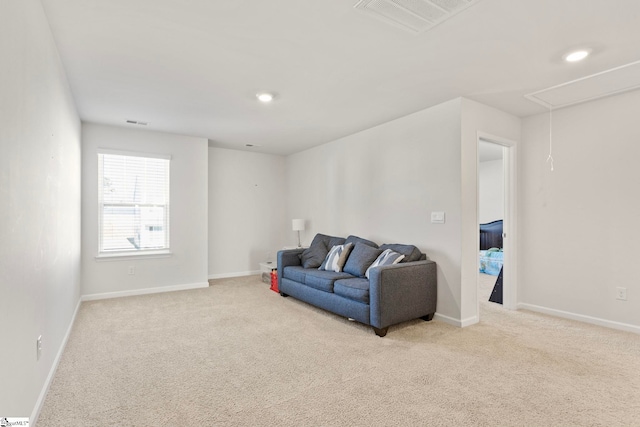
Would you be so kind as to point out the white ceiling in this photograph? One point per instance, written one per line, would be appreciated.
(194, 67)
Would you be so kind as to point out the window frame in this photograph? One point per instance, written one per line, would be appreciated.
(132, 253)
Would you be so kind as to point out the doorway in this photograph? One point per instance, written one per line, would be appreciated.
(496, 220)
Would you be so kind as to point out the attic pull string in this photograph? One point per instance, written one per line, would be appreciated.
(550, 158)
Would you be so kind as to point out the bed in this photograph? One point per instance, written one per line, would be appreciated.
(491, 235)
(491, 256)
(491, 261)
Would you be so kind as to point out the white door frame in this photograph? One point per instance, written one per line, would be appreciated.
(510, 284)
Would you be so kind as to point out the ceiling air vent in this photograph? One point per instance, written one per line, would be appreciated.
(415, 16)
(135, 122)
(609, 82)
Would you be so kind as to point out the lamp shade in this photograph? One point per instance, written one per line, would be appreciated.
(297, 224)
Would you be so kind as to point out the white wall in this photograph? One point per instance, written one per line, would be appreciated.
(491, 191)
(247, 212)
(579, 224)
(383, 183)
(40, 214)
(187, 267)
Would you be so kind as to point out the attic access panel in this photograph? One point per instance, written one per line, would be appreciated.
(609, 82)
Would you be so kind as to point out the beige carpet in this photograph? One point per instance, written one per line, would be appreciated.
(238, 354)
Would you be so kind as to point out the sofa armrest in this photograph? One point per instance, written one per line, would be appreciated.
(402, 292)
(286, 258)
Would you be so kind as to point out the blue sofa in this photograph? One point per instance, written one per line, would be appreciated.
(390, 295)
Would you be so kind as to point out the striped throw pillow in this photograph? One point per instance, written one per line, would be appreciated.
(336, 258)
(387, 257)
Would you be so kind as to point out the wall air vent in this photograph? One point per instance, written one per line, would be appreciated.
(609, 82)
(415, 16)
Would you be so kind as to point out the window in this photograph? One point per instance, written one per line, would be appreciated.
(133, 203)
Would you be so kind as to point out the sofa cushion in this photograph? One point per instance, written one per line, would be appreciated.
(314, 255)
(410, 252)
(360, 259)
(354, 289)
(355, 239)
(323, 280)
(333, 241)
(336, 258)
(387, 257)
(295, 273)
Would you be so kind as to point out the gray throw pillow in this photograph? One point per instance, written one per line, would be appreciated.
(360, 258)
(314, 255)
(355, 239)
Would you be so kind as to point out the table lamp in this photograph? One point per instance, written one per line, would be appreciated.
(297, 225)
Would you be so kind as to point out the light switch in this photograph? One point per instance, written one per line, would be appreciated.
(437, 217)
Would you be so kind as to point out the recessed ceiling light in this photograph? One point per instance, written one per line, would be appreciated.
(577, 55)
(265, 96)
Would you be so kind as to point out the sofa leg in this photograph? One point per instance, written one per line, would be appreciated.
(428, 317)
(282, 294)
(380, 332)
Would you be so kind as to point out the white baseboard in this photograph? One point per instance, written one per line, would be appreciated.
(133, 292)
(237, 274)
(456, 322)
(581, 318)
(45, 388)
(470, 321)
(446, 319)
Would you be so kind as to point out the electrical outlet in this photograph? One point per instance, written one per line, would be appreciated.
(132, 270)
(38, 347)
(621, 294)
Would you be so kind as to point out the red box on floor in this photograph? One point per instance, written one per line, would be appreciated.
(274, 280)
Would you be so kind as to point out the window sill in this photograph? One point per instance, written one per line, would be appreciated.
(119, 256)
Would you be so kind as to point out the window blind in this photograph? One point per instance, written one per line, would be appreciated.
(133, 197)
